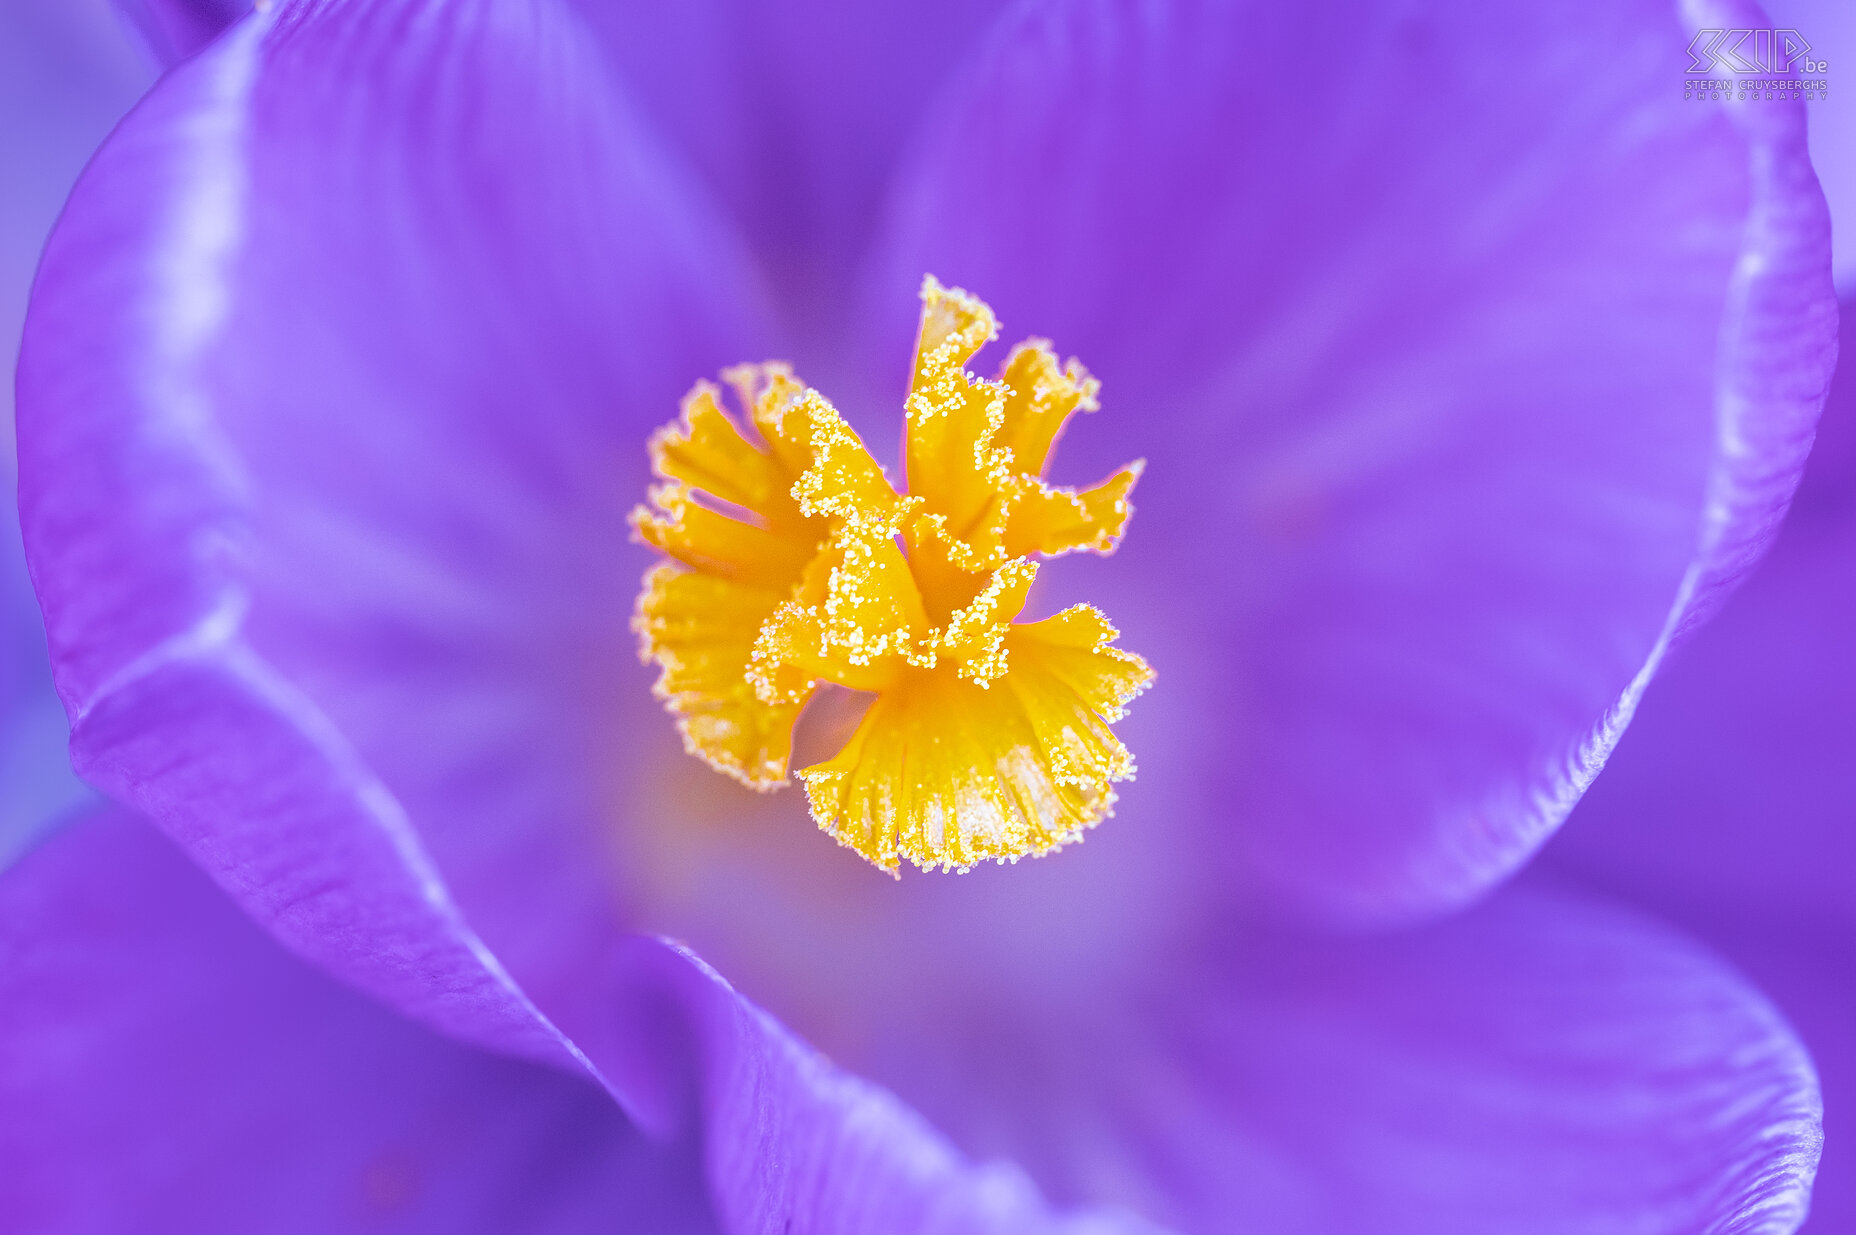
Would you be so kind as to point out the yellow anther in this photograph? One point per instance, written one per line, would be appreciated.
(795, 561)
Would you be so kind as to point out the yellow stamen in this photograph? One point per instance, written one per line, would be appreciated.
(795, 561)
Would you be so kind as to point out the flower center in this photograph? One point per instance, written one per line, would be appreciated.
(794, 561)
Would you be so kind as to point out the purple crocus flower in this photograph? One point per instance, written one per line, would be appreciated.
(1461, 403)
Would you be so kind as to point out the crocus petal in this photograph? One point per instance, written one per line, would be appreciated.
(331, 406)
(794, 1144)
(67, 72)
(793, 112)
(1541, 1063)
(1735, 791)
(1805, 970)
(1727, 807)
(1443, 452)
(164, 1066)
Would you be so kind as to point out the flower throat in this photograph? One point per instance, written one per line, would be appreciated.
(795, 562)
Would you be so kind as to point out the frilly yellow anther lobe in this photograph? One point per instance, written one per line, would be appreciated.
(795, 561)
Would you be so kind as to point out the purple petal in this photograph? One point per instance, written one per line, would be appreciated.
(168, 1068)
(1728, 806)
(1458, 407)
(67, 72)
(1735, 790)
(793, 112)
(331, 406)
(1541, 1063)
(793, 1143)
(1805, 971)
